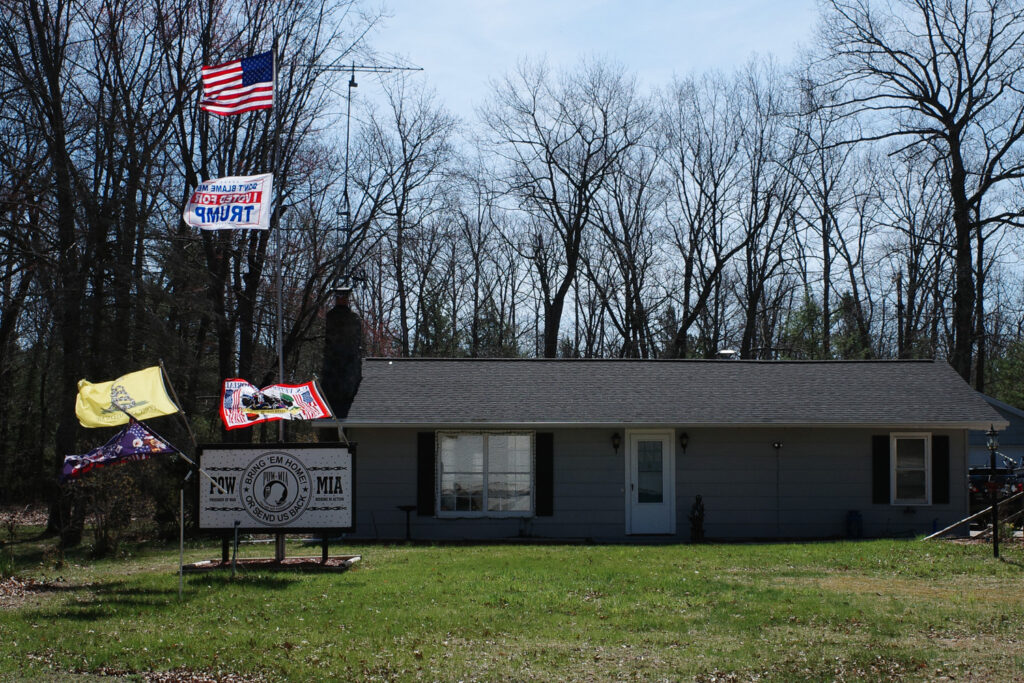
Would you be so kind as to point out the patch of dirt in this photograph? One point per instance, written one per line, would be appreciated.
(14, 592)
(339, 563)
(183, 675)
(1016, 541)
(24, 515)
(905, 588)
(179, 675)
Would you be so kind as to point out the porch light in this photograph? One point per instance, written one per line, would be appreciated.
(776, 445)
(616, 442)
(684, 440)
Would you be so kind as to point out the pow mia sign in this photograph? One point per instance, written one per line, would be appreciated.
(278, 487)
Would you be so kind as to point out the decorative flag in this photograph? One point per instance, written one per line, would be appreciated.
(238, 86)
(234, 203)
(140, 394)
(242, 404)
(134, 442)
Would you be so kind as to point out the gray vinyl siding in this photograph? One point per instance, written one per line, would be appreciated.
(820, 475)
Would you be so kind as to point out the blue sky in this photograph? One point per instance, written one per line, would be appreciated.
(462, 44)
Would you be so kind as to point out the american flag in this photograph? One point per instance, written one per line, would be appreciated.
(238, 86)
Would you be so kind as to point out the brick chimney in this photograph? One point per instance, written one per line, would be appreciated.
(342, 370)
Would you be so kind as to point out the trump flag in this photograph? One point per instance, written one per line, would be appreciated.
(233, 203)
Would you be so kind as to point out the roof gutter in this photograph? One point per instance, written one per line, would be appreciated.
(368, 424)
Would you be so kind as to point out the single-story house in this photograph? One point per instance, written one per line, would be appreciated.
(619, 450)
(1011, 439)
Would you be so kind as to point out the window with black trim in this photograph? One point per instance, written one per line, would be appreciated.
(485, 474)
(910, 468)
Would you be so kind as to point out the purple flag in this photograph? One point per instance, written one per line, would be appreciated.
(134, 442)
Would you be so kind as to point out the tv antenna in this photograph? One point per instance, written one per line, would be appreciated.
(352, 69)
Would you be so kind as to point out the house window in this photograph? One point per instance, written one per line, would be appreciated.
(911, 463)
(485, 474)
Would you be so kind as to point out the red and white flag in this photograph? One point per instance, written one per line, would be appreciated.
(238, 86)
(242, 404)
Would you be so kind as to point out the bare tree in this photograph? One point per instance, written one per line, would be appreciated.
(627, 216)
(947, 75)
(560, 138)
(915, 209)
(824, 171)
(411, 148)
(702, 128)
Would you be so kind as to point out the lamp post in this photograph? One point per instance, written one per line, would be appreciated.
(993, 494)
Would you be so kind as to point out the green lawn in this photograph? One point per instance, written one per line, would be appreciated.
(877, 610)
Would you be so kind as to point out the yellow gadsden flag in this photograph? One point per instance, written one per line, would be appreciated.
(141, 394)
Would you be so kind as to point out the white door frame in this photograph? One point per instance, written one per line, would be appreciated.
(669, 472)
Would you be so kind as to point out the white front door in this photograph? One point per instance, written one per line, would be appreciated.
(650, 482)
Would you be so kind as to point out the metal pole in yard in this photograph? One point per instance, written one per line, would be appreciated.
(993, 487)
(234, 556)
(181, 542)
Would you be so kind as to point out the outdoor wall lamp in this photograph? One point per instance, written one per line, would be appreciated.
(776, 445)
(616, 442)
(684, 440)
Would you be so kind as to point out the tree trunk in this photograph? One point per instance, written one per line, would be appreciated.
(964, 292)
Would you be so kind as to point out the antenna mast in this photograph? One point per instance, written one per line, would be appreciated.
(352, 69)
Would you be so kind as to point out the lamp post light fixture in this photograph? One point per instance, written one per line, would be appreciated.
(616, 442)
(993, 443)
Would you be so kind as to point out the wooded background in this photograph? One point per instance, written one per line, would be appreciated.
(862, 202)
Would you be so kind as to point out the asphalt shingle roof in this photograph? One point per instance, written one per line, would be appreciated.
(682, 392)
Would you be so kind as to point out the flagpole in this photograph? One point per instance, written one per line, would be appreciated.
(341, 430)
(279, 539)
(277, 237)
(177, 401)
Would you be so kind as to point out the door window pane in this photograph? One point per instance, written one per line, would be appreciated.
(649, 459)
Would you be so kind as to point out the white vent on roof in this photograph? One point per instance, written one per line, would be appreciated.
(728, 354)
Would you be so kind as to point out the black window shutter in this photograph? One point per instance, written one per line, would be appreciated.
(940, 469)
(880, 469)
(544, 495)
(426, 469)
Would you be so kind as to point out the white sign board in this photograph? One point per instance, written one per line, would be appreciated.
(235, 203)
(276, 487)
